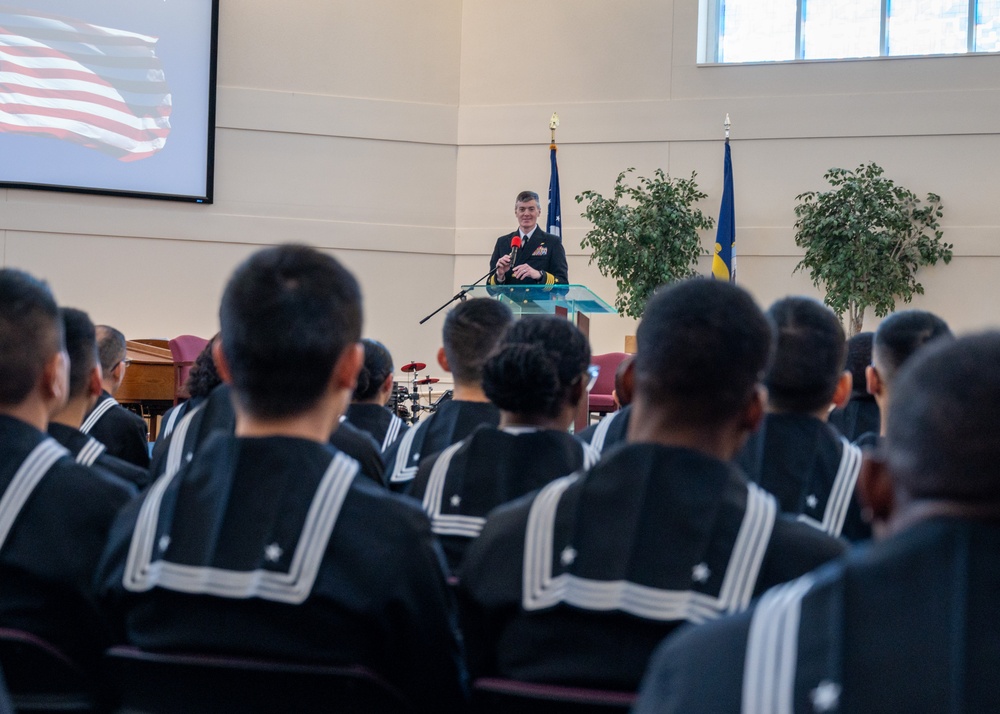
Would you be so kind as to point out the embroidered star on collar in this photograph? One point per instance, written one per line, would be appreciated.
(826, 696)
(273, 552)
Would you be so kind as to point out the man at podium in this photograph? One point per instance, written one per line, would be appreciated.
(529, 255)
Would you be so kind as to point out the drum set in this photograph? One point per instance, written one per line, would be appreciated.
(401, 394)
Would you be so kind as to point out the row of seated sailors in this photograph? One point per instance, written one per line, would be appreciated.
(558, 578)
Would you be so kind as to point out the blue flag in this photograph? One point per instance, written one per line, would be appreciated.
(553, 224)
(724, 260)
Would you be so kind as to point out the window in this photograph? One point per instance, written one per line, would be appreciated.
(775, 30)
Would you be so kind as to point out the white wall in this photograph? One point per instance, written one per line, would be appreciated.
(395, 135)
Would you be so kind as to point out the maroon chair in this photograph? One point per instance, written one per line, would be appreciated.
(491, 695)
(185, 350)
(601, 401)
(41, 678)
(167, 683)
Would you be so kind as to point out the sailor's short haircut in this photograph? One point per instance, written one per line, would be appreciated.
(703, 346)
(859, 356)
(30, 333)
(942, 439)
(111, 348)
(809, 358)
(901, 334)
(81, 346)
(470, 333)
(287, 315)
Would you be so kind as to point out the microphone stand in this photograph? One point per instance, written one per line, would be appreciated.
(460, 295)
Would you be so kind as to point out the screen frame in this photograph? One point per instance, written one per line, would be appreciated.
(209, 195)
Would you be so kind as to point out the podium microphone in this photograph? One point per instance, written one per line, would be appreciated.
(515, 243)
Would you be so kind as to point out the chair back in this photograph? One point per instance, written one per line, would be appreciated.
(161, 683)
(40, 677)
(492, 695)
(185, 350)
(600, 397)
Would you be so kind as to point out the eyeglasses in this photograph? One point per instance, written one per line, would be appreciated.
(125, 362)
(592, 372)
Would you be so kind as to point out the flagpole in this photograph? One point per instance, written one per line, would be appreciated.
(553, 221)
(732, 258)
(724, 260)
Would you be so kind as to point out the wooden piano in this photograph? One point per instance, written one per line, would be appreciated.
(150, 383)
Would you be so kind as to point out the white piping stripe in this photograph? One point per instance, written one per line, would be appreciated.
(772, 650)
(541, 589)
(395, 424)
(841, 493)
(96, 415)
(447, 524)
(175, 451)
(400, 471)
(294, 586)
(90, 452)
(169, 426)
(28, 475)
(601, 432)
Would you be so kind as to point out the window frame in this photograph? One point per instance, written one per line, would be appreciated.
(710, 39)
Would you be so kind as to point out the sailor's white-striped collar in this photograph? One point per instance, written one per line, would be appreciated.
(27, 477)
(90, 452)
(772, 650)
(146, 567)
(402, 469)
(542, 588)
(95, 416)
(461, 525)
(841, 492)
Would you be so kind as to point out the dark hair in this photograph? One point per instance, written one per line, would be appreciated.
(526, 196)
(378, 366)
(470, 333)
(809, 357)
(30, 333)
(81, 346)
(623, 389)
(903, 333)
(203, 377)
(287, 315)
(702, 348)
(111, 347)
(941, 439)
(536, 365)
(859, 356)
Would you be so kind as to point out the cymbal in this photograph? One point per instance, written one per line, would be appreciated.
(413, 367)
(428, 380)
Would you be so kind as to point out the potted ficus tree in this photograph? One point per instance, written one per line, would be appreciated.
(865, 239)
(645, 235)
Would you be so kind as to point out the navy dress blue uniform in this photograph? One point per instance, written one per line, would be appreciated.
(54, 520)
(123, 432)
(578, 583)
(543, 251)
(90, 452)
(277, 547)
(609, 431)
(812, 471)
(216, 413)
(383, 426)
(859, 416)
(453, 421)
(463, 483)
(906, 625)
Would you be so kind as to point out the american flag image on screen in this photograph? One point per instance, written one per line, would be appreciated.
(96, 86)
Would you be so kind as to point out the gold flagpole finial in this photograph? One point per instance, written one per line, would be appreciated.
(553, 125)
(727, 125)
